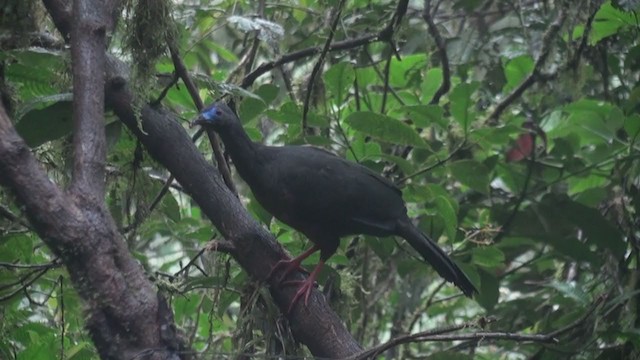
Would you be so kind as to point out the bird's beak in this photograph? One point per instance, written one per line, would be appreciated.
(198, 121)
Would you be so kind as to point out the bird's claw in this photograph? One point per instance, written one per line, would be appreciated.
(290, 266)
(303, 290)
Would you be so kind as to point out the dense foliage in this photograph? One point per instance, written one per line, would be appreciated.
(510, 126)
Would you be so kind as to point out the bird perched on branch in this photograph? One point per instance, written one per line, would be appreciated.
(324, 197)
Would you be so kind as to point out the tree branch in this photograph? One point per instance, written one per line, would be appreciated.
(121, 302)
(318, 66)
(92, 21)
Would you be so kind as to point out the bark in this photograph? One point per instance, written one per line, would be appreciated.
(126, 317)
(124, 314)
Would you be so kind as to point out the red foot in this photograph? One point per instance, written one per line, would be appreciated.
(289, 267)
(304, 290)
(305, 286)
(292, 265)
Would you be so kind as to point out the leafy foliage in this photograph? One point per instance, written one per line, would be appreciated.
(551, 240)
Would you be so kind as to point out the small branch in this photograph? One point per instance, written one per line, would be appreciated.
(7, 214)
(429, 168)
(61, 15)
(387, 87)
(163, 93)
(575, 59)
(440, 335)
(319, 64)
(25, 283)
(301, 54)
(62, 322)
(549, 35)
(523, 195)
(582, 319)
(183, 73)
(55, 263)
(224, 246)
(442, 50)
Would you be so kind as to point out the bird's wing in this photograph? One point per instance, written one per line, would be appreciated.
(355, 166)
(339, 193)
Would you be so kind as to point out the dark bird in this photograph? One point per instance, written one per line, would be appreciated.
(324, 197)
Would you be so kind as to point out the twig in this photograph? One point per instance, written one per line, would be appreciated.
(535, 75)
(319, 64)
(506, 226)
(224, 246)
(7, 214)
(24, 283)
(442, 49)
(575, 59)
(582, 319)
(430, 167)
(383, 35)
(182, 71)
(55, 263)
(441, 335)
(62, 324)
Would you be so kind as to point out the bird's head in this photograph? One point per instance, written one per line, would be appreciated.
(216, 116)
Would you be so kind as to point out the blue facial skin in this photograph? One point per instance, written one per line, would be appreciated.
(209, 114)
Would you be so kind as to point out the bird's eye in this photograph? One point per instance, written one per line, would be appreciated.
(218, 112)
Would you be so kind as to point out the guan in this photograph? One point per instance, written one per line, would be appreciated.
(324, 197)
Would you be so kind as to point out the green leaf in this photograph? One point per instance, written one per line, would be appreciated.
(571, 291)
(400, 71)
(488, 256)
(632, 126)
(426, 115)
(489, 290)
(448, 214)
(516, 70)
(580, 184)
(290, 113)
(461, 104)
(170, 207)
(338, 79)
(430, 84)
(472, 174)
(450, 355)
(263, 215)
(594, 121)
(39, 126)
(608, 21)
(597, 229)
(383, 247)
(384, 128)
(36, 70)
(250, 108)
(268, 92)
(222, 51)
(572, 248)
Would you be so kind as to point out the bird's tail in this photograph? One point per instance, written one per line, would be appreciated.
(435, 256)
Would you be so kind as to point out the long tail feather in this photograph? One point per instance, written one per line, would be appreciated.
(435, 256)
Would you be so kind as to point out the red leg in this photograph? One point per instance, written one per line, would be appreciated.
(293, 264)
(305, 286)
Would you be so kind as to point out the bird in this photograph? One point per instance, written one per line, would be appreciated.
(323, 196)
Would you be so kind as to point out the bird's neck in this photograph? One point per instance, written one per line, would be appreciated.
(246, 154)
